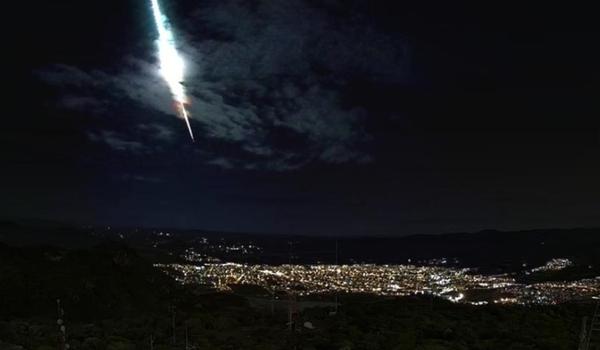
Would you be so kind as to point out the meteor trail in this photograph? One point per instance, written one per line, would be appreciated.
(172, 67)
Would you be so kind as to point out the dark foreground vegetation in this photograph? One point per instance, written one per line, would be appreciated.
(114, 299)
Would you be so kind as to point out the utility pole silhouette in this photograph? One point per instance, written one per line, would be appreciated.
(272, 301)
(594, 326)
(292, 305)
(173, 322)
(62, 329)
(336, 265)
(292, 310)
(186, 338)
(591, 336)
(583, 334)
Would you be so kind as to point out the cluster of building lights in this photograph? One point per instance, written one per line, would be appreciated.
(205, 250)
(456, 285)
(554, 265)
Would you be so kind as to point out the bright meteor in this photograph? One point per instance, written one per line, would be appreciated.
(172, 67)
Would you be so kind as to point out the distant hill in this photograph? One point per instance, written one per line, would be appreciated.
(45, 232)
(489, 250)
(486, 247)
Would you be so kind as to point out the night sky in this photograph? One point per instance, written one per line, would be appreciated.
(345, 117)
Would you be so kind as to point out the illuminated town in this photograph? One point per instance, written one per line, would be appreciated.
(554, 265)
(453, 284)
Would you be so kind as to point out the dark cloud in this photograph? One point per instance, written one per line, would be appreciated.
(141, 178)
(222, 163)
(268, 79)
(158, 132)
(117, 142)
(85, 104)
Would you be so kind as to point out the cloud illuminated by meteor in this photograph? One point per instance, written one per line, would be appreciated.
(172, 67)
